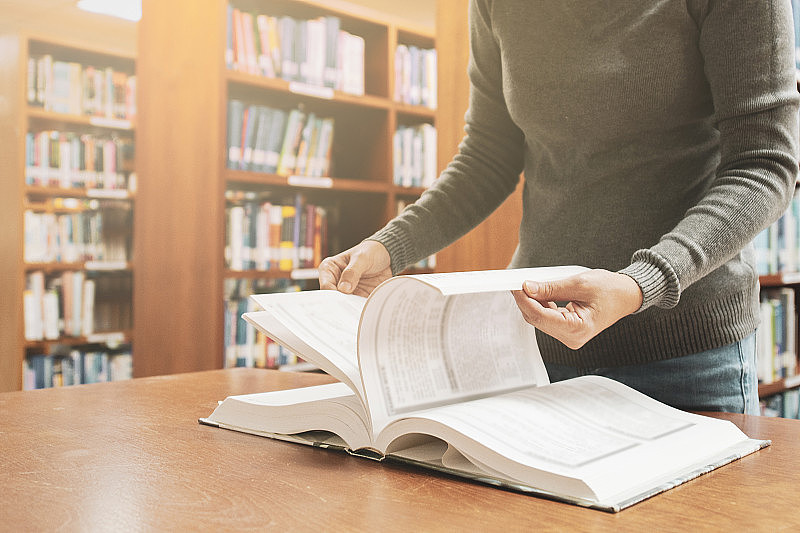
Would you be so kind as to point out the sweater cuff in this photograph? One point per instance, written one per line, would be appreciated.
(657, 279)
(399, 246)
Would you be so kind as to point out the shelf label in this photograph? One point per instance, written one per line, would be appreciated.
(305, 273)
(311, 90)
(106, 265)
(310, 181)
(110, 123)
(112, 339)
(107, 193)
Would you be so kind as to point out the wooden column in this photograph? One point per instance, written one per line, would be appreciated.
(491, 244)
(179, 217)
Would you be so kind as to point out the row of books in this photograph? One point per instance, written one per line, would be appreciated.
(778, 247)
(75, 160)
(275, 141)
(91, 235)
(73, 304)
(783, 405)
(267, 235)
(77, 367)
(244, 346)
(776, 345)
(70, 87)
(315, 52)
(414, 151)
(428, 263)
(415, 75)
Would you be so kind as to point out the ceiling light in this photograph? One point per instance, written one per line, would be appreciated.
(124, 9)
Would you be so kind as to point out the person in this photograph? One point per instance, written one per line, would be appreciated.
(657, 139)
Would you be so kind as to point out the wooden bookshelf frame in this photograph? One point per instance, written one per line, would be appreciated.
(16, 118)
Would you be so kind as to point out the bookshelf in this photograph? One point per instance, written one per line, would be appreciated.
(181, 272)
(67, 190)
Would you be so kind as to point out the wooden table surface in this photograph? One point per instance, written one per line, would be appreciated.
(131, 456)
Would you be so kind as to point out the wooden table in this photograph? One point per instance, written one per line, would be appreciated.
(131, 456)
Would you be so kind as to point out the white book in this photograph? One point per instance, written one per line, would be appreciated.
(441, 370)
(87, 308)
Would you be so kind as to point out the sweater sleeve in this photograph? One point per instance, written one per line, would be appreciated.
(748, 51)
(483, 173)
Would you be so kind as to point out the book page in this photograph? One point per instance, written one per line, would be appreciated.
(493, 280)
(590, 429)
(419, 349)
(320, 326)
(331, 408)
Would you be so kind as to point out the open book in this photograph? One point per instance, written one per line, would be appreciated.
(441, 370)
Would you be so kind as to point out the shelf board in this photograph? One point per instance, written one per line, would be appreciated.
(92, 266)
(100, 194)
(415, 110)
(308, 91)
(296, 274)
(336, 184)
(779, 280)
(414, 192)
(110, 338)
(38, 113)
(777, 387)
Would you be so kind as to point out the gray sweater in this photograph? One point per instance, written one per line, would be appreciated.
(657, 138)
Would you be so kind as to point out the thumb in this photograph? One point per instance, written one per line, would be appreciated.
(552, 291)
(351, 274)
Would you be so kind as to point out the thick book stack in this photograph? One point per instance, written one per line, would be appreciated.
(77, 160)
(76, 89)
(88, 233)
(777, 335)
(77, 367)
(316, 52)
(244, 345)
(276, 141)
(415, 76)
(414, 155)
(274, 235)
(778, 246)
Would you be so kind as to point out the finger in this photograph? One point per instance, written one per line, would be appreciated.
(351, 275)
(564, 290)
(330, 271)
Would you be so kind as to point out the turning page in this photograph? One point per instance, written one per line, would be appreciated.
(320, 326)
(433, 339)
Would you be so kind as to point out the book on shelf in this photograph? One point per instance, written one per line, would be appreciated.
(776, 345)
(414, 155)
(266, 234)
(440, 370)
(415, 76)
(777, 247)
(316, 52)
(244, 345)
(77, 160)
(77, 367)
(77, 89)
(275, 141)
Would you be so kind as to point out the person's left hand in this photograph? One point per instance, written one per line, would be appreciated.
(594, 300)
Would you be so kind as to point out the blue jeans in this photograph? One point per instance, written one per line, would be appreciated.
(722, 379)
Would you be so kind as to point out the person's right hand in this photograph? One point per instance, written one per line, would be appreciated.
(357, 270)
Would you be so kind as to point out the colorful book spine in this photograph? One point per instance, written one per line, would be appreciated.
(273, 235)
(316, 52)
(77, 89)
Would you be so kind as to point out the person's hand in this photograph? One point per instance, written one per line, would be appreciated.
(594, 300)
(357, 270)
